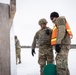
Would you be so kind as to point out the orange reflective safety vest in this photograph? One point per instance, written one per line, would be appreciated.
(54, 33)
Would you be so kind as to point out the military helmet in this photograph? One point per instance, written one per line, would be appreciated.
(15, 37)
(54, 14)
(41, 21)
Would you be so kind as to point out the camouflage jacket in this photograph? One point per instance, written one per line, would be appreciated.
(41, 38)
(62, 36)
(17, 44)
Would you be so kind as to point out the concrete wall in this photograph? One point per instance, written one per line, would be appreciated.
(6, 19)
(4, 40)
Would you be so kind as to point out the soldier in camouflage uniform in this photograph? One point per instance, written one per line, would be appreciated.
(62, 45)
(18, 50)
(42, 38)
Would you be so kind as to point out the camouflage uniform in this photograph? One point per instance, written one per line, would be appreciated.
(63, 38)
(45, 55)
(18, 50)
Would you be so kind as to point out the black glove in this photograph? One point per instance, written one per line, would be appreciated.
(47, 31)
(57, 48)
(33, 52)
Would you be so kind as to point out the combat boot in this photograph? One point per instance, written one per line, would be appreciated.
(19, 62)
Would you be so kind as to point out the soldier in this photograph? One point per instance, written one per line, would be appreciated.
(42, 38)
(61, 39)
(18, 50)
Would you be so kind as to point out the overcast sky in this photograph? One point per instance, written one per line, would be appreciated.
(28, 13)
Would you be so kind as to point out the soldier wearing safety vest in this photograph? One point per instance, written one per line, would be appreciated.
(42, 38)
(61, 39)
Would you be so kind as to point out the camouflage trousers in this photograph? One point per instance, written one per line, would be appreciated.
(45, 57)
(62, 61)
(18, 56)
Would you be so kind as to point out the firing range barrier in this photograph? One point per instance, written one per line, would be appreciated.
(72, 46)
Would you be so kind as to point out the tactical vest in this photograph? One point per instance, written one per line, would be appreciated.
(43, 38)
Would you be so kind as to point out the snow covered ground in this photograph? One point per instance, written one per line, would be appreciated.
(30, 66)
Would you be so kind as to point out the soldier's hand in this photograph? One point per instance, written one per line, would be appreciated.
(57, 48)
(33, 52)
(47, 31)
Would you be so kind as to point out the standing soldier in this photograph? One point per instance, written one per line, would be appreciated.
(18, 50)
(42, 38)
(61, 39)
